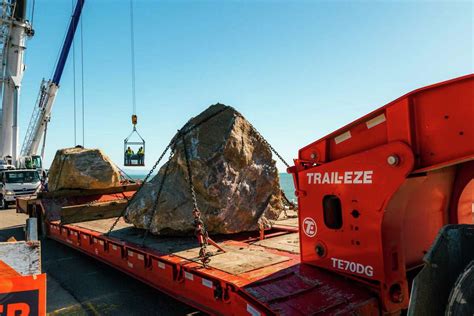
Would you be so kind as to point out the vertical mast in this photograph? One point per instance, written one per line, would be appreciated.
(13, 74)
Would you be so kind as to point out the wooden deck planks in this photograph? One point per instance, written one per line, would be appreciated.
(236, 260)
(288, 242)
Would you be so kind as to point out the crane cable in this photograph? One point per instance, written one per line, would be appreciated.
(82, 84)
(132, 53)
(32, 13)
(74, 81)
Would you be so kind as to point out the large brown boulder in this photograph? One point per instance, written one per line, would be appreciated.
(235, 178)
(81, 168)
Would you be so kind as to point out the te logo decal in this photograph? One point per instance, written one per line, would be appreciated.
(309, 227)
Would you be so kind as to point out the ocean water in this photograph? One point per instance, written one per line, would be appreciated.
(286, 183)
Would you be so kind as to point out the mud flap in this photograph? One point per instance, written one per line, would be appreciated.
(449, 256)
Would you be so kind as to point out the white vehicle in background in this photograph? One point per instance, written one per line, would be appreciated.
(30, 162)
(16, 183)
(5, 165)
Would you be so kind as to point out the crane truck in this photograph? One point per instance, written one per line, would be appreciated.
(15, 28)
(385, 224)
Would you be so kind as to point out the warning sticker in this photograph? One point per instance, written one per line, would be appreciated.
(309, 227)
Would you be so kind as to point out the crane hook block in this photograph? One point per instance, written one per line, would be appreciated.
(134, 119)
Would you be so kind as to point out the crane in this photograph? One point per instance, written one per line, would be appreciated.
(41, 116)
(14, 29)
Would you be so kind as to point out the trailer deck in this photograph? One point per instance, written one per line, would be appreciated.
(254, 276)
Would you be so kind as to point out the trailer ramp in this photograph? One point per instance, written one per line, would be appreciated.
(304, 290)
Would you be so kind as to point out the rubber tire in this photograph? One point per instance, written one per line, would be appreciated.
(3, 204)
(461, 299)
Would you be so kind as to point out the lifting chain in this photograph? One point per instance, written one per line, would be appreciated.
(123, 175)
(155, 203)
(140, 187)
(286, 202)
(170, 145)
(200, 229)
(288, 205)
(264, 141)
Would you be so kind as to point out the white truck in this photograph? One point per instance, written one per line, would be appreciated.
(16, 183)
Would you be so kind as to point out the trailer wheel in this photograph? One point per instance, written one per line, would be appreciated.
(461, 299)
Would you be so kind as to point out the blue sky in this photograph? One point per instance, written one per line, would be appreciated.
(296, 69)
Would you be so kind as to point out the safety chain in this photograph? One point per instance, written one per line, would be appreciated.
(140, 187)
(263, 140)
(287, 202)
(259, 136)
(171, 144)
(155, 204)
(124, 176)
(200, 229)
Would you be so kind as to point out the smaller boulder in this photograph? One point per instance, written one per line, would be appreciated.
(82, 168)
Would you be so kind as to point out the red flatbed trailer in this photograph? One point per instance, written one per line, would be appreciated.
(253, 276)
(412, 155)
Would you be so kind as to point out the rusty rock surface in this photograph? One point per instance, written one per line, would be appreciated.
(236, 180)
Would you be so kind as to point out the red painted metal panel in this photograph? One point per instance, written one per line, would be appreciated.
(161, 272)
(359, 238)
(390, 231)
(435, 121)
(442, 122)
(356, 248)
(87, 242)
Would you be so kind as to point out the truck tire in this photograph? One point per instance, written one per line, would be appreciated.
(461, 299)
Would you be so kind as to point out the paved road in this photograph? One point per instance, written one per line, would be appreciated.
(79, 285)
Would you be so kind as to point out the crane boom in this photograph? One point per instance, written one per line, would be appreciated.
(48, 90)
